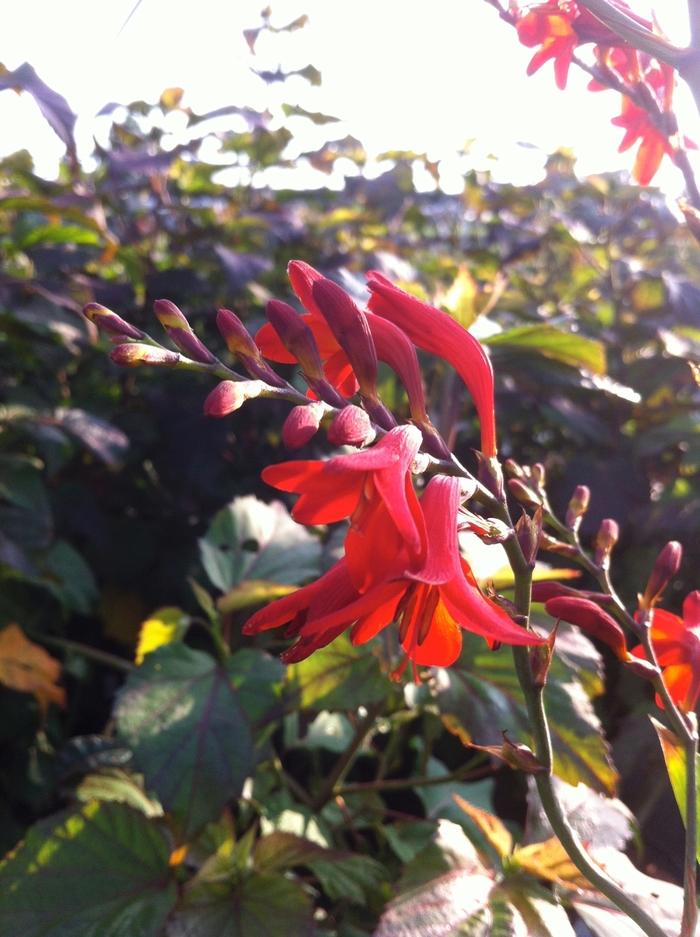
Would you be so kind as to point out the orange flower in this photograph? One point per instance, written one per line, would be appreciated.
(431, 604)
(551, 28)
(677, 645)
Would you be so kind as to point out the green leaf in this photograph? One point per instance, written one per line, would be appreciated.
(341, 875)
(564, 347)
(182, 716)
(69, 577)
(339, 676)
(480, 697)
(257, 678)
(249, 539)
(675, 758)
(99, 872)
(115, 784)
(258, 906)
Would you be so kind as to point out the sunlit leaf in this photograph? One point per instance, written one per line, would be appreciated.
(99, 872)
(550, 342)
(675, 758)
(339, 676)
(164, 626)
(183, 718)
(252, 540)
(252, 592)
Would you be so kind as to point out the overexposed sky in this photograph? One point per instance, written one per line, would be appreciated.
(402, 74)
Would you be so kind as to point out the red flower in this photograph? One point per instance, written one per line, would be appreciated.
(551, 28)
(361, 485)
(677, 645)
(436, 332)
(430, 605)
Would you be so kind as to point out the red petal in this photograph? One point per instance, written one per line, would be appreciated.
(691, 610)
(476, 613)
(651, 152)
(442, 643)
(270, 345)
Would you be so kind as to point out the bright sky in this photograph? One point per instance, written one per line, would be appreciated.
(402, 74)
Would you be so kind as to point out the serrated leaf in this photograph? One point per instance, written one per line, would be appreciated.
(98, 872)
(339, 676)
(268, 905)
(569, 348)
(550, 861)
(675, 759)
(479, 697)
(495, 833)
(182, 716)
(163, 627)
(257, 678)
(249, 539)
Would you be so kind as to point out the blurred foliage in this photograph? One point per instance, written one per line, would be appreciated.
(206, 793)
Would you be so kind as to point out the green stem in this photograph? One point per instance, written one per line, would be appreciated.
(534, 701)
(398, 784)
(343, 763)
(92, 653)
(635, 33)
(690, 881)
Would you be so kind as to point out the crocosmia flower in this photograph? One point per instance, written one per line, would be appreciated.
(677, 645)
(550, 28)
(350, 486)
(431, 605)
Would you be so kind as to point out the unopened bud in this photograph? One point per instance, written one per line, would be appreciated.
(557, 546)
(302, 424)
(490, 474)
(665, 568)
(606, 538)
(135, 354)
(351, 426)
(240, 342)
(528, 530)
(544, 591)
(541, 659)
(110, 322)
(231, 395)
(349, 325)
(178, 328)
(578, 505)
(538, 475)
(590, 618)
(514, 754)
(512, 469)
(523, 493)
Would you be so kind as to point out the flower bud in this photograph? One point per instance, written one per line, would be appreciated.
(606, 538)
(240, 343)
(302, 424)
(665, 568)
(489, 474)
(543, 591)
(642, 668)
(541, 659)
(135, 354)
(513, 470)
(230, 395)
(538, 475)
(178, 328)
(351, 426)
(110, 322)
(578, 505)
(590, 618)
(523, 493)
(528, 530)
(557, 546)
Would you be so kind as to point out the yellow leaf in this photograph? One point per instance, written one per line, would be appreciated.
(460, 299)
(26, 667)
(163, 627)
(549, 860)
(253, 592)
(494, 831)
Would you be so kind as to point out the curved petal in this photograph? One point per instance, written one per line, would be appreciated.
(325, 496)
(371, 624)
(666, 626)
(691, 609)
(441, 644)
(333, 586)
(440, 503)
(476, 613)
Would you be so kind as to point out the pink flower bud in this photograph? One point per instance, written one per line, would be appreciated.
(665, 568)
(606, 538)
(544, 591)
(578, 505)
(178, 328)
(240, 343)
(523, 493)
(302, 424)
(351, 426)
(110, 322)
(135, 354)
(230, 395)
(590, 618)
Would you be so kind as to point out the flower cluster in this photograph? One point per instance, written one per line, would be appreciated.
(557, 28)
(401, 561)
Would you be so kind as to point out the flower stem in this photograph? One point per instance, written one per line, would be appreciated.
(343, 763)
(534, 701)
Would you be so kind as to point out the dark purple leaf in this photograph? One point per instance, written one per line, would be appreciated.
(53, 106)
